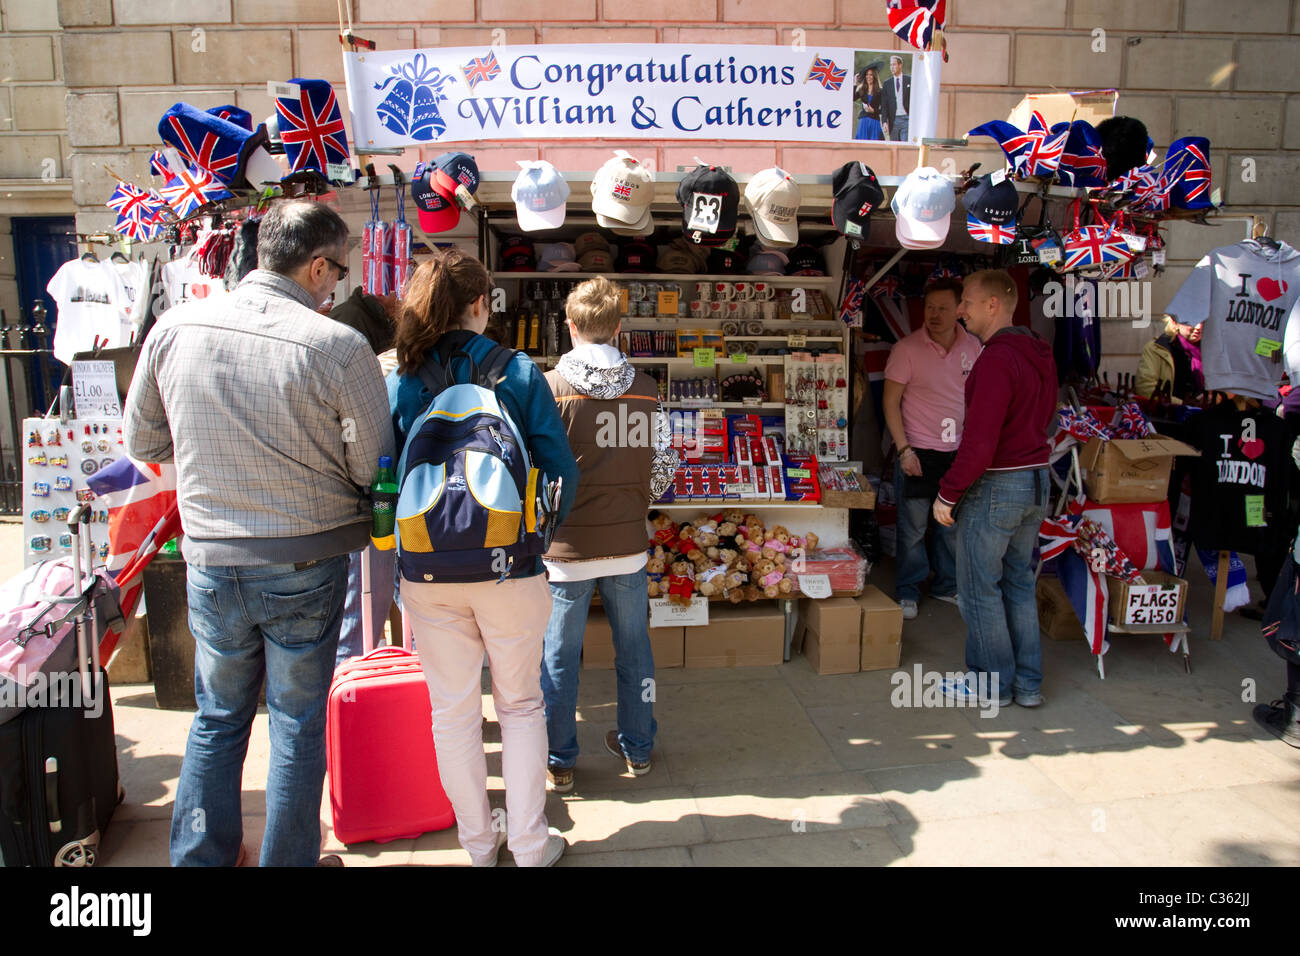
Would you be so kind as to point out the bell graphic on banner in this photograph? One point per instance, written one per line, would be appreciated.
(410, 106)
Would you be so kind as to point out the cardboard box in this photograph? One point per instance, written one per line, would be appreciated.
(882, 630)
(1160, 601)
(666, 643)
(1130, 470)
(738, 636)
(1093, 106)
(832, 634)
(1056, 617)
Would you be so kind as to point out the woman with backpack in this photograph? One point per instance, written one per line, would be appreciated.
(453, 621)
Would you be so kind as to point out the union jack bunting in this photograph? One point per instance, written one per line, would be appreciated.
(887, 287)
(916, 20)
(988, 232)
(825, 72)
(139, 212)
(191, 189)
(852, 300)
(311, 128)
(481, 68)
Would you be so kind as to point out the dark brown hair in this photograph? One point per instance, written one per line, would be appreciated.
(442, 288)
(944, 284)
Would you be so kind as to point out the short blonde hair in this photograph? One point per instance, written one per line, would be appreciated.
(593, 309)
(996, 283)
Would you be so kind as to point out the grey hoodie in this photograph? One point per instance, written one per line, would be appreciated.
(603, 372)
(1243, 294)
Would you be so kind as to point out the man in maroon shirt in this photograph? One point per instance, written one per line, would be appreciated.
(998, 487)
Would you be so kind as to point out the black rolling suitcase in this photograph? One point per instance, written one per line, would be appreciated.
(58, 762)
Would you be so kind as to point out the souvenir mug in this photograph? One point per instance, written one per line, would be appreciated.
(764, 291)
(724, 290)
(704, 291)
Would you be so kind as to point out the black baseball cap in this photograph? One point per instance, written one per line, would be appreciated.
(517, 255)
(710, 200)
(726, 262)
(994, 204)
(636, 256)
(806, 261)
(856, 192)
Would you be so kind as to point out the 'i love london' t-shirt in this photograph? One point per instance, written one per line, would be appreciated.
(1243, 295)
(1240, 483)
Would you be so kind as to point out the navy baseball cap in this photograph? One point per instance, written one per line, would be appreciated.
(994, 204)
(856, 192)
(710, 202)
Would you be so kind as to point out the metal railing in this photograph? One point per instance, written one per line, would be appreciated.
(30, 377)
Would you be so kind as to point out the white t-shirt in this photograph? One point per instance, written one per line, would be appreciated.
(183, 281)
(92, 302)
(135, 278)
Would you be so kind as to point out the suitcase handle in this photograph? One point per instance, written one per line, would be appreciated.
(379, 652)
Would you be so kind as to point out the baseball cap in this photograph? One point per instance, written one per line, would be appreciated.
(856, 192)
(621, 192)
(539, 194)
(645, 227)
(517, 255)
(990, 203)
(806, 261)
(923, 206)
(710, 200)
(436, 212)
(596, 260)
(772, 199)
(636, 256)
(677, 261)
(556, 257)
(588, 241)
(767, 262)
(723, 262)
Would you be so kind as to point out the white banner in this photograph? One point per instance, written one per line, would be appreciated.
(635, 91)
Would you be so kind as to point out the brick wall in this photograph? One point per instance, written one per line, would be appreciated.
(1183, 66)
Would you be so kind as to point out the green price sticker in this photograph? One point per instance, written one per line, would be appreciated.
(1266, 347)
(1254, 511)
(740, 358)
(798, 472)
(704, 358)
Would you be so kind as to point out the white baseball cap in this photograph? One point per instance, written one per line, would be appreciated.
(772, 198)
(621, 193)
(923, 206)
(539, 194)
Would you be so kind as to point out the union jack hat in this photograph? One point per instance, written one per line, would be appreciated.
(1187, 167)
(207, 140)
(1082, 164)
(234, 114)
(311, 128)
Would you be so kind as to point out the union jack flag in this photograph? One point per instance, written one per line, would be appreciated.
(1094, 245)
(191, 189)
(131, 202)
(825, 72)
(311, 128)
(887, 287)
(1037, 151)
(158, 164)
(622, 190)
(916, 20)
(212, 153)
(1193, 173)
(481, 68)
(1129, 422)
(1085, 166)
(988, 232)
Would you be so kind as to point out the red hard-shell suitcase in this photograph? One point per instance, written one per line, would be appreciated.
(382, 766)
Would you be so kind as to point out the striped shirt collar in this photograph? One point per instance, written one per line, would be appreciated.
(268, 281)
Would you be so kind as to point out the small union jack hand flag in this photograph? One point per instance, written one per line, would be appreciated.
(191, 189)
(131, 202)
(481, 68)
(826, 73)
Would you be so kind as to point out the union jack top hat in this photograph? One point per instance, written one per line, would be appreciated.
(311, 128)
(207, 140)
(1187, 166)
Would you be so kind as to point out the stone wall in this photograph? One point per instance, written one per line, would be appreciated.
(1182, 66)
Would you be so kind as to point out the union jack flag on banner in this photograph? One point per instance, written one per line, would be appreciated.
(481, 68)
(988, 232)
(825, 72)
(192, 189)
(916, 20)
(311, 128)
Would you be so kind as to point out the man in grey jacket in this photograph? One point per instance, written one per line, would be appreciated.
(275, 417)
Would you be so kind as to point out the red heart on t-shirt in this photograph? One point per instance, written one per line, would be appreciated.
(199, 290)
(1270, 289)
(1252, 449)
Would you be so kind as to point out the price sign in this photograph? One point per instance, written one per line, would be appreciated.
(1266, 347)
(1158, 257)
(668, 303)
(740, 358)
(622, 301)
(94, 390)
(663, 613)
(1151, 604)
(1049, 254)
(704, 358)
(1255, 511)
(705, 212)
(797, 341)
(798, 472)
(1135, 243)
(997, 176)
(339, 172)
(817, 586)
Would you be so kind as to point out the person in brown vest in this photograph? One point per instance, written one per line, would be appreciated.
(619, 435)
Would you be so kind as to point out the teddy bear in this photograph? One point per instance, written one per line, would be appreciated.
(681, 583)
(734, 584)
(789, 583)
(707, 541)
(655, 566)
(727, 557)
(810, 542)
(768, 578)
(665, 531)
(727, 534)
(710, 580)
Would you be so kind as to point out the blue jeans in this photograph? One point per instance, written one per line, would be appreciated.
(997, 528)
(627, 605)
(383, 565)
(247, 622)
(912, 562)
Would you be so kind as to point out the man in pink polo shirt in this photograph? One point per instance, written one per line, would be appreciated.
(924, 409)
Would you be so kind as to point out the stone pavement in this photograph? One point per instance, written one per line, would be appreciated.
(776, 765)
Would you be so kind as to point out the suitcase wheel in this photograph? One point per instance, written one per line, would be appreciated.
(78, 853)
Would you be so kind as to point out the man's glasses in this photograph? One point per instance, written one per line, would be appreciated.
(343, 270)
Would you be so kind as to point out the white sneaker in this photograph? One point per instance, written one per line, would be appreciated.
(909, 609)
(555, 847)
(946, 598)
(496, 852)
